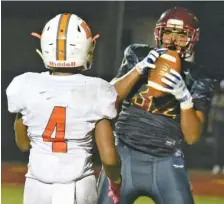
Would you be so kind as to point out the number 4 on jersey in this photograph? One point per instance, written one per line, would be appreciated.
(57, 120)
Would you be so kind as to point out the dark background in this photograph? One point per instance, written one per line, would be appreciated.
(119, 24)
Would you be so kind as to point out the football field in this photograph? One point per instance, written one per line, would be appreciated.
(12, 194)
(207, 189)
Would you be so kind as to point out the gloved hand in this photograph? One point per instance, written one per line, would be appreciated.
(114, 191)
(149, 60)
(178, 88)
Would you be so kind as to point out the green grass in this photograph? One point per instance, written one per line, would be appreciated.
(11, 195)
(198, 200)
(14, 194)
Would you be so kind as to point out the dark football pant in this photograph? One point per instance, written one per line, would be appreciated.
(163, 179)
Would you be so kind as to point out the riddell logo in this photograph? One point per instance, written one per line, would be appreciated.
(62, 64)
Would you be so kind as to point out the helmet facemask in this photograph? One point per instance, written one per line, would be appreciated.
(192, 37)
(178, 19)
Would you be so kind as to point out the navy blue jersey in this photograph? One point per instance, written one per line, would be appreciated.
(149, 124)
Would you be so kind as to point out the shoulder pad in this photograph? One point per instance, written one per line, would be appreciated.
(202, 86)
(137, 51)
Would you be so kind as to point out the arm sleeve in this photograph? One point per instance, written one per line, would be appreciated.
(15, 94)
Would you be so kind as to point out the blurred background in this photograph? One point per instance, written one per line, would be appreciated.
(119, 24)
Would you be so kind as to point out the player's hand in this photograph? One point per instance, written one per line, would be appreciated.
(114, 191)
(178, 88)
(149, 60)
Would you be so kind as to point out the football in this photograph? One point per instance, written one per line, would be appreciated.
(168, 60)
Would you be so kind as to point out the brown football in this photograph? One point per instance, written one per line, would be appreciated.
(170, 59)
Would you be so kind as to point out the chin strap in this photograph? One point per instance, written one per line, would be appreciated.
(95, 37)
(37, 50)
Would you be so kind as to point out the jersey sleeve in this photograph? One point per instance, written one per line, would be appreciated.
(202, 92)
(15, 94)
(107, 100)
(132, 55)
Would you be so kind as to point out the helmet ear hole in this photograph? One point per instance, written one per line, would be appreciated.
(79, 29)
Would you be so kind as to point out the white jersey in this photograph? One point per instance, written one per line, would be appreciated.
(60, 113)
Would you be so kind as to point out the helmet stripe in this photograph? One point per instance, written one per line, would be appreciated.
(62, 36)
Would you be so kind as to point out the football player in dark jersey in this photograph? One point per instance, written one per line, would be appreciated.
(150, 130)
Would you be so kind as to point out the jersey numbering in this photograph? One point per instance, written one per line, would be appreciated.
(57, 120)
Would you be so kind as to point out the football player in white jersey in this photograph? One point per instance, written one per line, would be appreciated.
(57, 113)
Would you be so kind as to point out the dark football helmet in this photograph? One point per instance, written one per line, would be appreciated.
(178, 18)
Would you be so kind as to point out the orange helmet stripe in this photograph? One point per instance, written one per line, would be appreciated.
(62, 36)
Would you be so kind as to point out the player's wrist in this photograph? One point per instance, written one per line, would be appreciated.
(140, 68)
(187, 104)
(186, 100)
(117, 181)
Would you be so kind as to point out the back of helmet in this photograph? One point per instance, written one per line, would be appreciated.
(67, 42)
